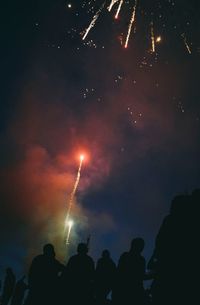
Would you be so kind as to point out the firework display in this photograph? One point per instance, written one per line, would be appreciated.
(69, 221)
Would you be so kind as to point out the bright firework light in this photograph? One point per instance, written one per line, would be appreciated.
(69, 224)
(122, 3)
(82, 157)
(68, 221)
(92, 23)
(111, 4)
(131, 24)
(119, 9)
(158, 39)
(153, 48)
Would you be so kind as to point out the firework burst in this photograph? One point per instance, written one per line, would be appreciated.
(133, 11)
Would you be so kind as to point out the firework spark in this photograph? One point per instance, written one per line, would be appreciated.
(186, 44)
(131, 24)
(68, 222)
(93, 22)
(119, 9)
(158, 39)
(153, 47)
(111, 4)
(118, 5)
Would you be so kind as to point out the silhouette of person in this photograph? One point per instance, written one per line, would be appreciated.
(130, 274)
(171, 254)
(19, 292)
(43, 277)
(8, 286)
(79, 277)
(104, 277)
(191, 263)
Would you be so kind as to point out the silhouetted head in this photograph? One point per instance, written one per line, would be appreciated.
(82, 248)
(179, 204)
(9, 271)
(137, 245)
(105, 254)
(48, 250)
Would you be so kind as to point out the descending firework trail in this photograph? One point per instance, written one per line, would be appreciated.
(118, 5)
(111, 4)
(131, 24)
(119, 9)
(186, 44)
(68, 222)
(153, 48)
(92, 23)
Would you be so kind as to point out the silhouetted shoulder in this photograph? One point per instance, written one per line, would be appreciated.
(123, 257)
(37, 259)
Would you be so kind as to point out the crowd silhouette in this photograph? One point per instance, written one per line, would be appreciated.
(172, 268)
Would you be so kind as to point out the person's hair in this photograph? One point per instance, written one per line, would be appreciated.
(48, 249)
(137, 244)
(82, 248)
(105, 253)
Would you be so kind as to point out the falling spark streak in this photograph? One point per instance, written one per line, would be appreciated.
(131, 24)
(67, 221)
(70, 224)
(111, 4)
(92, 23)
(153, 48)
(186, 44)
(119, 9)
(119, 4)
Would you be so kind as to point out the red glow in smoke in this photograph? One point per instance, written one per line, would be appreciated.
(83, 156)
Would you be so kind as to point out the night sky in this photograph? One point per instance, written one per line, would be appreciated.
(134, 112)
